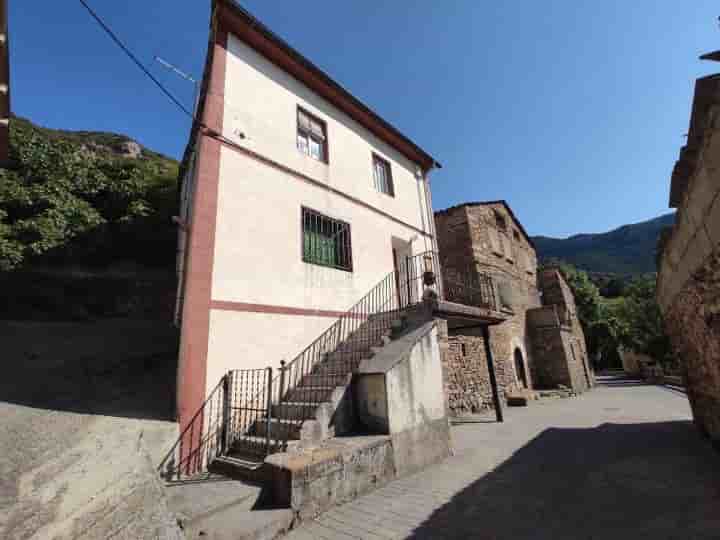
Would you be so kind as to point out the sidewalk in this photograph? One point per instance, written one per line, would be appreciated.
(623, 461)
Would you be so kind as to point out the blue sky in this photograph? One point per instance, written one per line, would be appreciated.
(573, 111)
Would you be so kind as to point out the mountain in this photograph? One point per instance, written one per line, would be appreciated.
(627, 250)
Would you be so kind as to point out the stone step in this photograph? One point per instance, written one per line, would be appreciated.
(280, 428)
(326, 378)
(312, 394)
(239, 467)
(295, 410)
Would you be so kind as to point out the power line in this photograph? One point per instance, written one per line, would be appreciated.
(134, 58)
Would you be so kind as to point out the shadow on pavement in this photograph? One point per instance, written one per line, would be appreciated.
(614, 481)
(120, 367)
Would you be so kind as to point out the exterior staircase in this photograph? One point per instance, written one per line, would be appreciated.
(315, 406)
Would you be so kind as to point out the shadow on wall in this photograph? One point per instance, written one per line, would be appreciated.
(615, 481)
(115, 367)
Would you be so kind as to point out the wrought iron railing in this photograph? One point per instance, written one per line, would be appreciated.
(310, 378)
(470, 288)
(200, 441)
(255, 413)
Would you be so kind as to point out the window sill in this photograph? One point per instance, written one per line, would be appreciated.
(308, 156)
(328, 266)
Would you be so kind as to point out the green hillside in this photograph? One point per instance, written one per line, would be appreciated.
(85, 198)
(627, 250)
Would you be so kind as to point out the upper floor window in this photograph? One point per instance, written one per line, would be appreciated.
(516, 235)
(382, 176)
(326, 241)
(311, 135)
(499, 220)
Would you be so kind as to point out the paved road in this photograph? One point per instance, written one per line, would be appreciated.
(620, 462)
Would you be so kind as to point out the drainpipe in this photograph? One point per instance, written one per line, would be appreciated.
(431, 225)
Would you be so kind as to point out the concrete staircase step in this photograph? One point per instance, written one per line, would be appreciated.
(325, 378)
(280, 428)
(305, 394)
(295, 410)
(239, 467)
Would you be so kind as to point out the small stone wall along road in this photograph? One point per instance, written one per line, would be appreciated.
(620, 462)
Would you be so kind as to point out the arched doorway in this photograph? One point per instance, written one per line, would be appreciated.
(520, 368)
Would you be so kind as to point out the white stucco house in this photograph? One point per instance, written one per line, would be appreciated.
(296, 200)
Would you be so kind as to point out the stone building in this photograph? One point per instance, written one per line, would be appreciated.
(688, 287)
(558, 341)
(481, 239)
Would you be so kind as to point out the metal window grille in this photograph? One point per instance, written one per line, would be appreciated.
(326, 241)
(382, 176)
(311, 135)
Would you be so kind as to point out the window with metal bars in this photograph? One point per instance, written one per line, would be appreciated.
(311, 135)
(326, 241)
(382, 176)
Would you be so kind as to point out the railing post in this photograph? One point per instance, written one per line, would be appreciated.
(268, 409)
(226, 413)
(409, 281)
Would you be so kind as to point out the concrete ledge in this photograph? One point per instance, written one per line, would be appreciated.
(336, 471)
(341, 469)
(395, 352)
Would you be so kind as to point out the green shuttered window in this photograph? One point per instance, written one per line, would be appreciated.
(326, 241)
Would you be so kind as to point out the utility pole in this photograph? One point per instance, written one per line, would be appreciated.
(4, 85)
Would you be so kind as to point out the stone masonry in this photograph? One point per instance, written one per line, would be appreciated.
(688, 288)
(486, 238)
(557, 337)
(541, 345)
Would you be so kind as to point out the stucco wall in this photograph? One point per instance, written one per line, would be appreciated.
(257, 257)
(261, 103)
(414, 387)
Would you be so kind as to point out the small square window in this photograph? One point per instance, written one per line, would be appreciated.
(516, 235)
(311, 136)
(382, 176)
(499, 221)
(326, 241)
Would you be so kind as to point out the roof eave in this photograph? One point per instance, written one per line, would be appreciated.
(254, 33)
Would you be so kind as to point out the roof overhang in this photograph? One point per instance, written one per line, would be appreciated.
(236, 20)
(714, 56)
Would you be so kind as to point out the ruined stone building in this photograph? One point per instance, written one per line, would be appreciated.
(558, 341)
(688, 287)
(541, 344)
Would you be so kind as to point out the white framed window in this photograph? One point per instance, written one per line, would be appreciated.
(382, 175)
(311, 135)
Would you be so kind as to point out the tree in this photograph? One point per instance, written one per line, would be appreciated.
(640, 311)
(65, 200)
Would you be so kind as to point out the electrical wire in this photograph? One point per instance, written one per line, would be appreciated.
(134, 58)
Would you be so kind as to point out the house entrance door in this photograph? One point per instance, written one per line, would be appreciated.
(401, 253)
(520, 368)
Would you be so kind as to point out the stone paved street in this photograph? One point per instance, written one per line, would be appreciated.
(623, 461)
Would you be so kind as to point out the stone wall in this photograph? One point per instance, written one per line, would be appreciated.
(466, 380)
(688, 287)
(558, 340)
(485, 238)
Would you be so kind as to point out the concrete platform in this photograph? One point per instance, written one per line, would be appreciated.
(213, 507)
